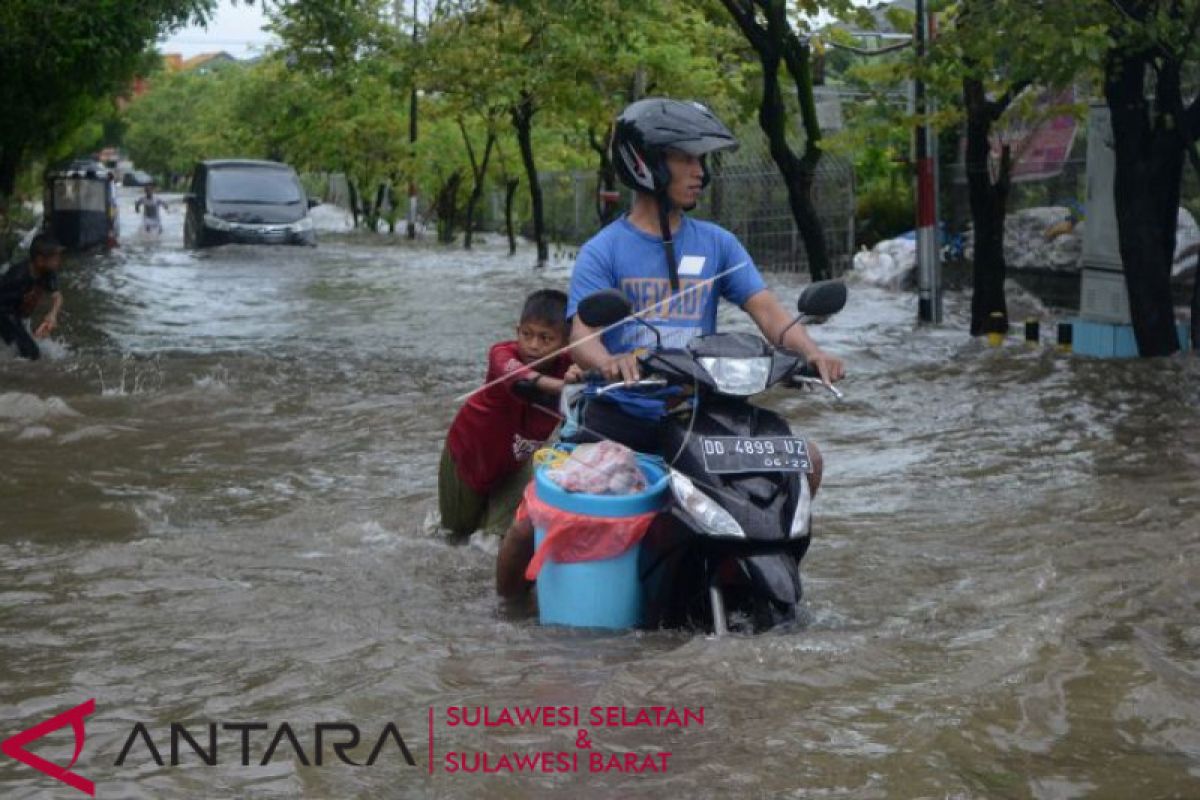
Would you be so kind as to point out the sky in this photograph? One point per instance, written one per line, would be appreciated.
(234, 29)
(238, 31)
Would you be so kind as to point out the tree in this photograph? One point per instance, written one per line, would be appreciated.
(544, 56)
(988, 66)
(1001, 56)
(676, 48)
(1153, 44)
(766, 27)
(72, 66)
(479, 168)
(466, 87)
(353, 63)
(1143, 49)
(162, 133)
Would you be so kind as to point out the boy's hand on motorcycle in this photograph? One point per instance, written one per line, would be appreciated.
(573, 374)
(623, 367)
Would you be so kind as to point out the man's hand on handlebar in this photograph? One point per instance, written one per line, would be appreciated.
(621, 367)
(831, 368)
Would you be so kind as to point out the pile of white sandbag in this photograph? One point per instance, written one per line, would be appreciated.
(1045, 237)
(1187, 245)
(890, 264)
(1038, 238)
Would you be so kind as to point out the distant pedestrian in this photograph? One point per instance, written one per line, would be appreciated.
(22, 289)
(148, 205)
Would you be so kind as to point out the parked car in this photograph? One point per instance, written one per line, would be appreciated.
(248, 202)
(136, 177)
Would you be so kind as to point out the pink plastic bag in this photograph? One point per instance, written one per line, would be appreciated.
(601, 468)
(571, 537)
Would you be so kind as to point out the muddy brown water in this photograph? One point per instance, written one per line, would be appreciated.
(215, 506)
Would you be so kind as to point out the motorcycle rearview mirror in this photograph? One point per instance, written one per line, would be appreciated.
(603, 308)
(822, 299)
(817, 302)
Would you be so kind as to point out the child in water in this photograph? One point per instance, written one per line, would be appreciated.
(22, 288)
(485, 461)
(149, 204)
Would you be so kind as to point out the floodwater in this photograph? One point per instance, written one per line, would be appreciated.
(216, 505)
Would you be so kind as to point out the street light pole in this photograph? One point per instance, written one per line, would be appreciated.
(929, 270)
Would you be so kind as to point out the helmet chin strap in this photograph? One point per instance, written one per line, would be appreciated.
(664, 223)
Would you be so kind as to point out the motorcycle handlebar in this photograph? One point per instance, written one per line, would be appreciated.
(808, 376)
(804, 375)
(806, 371)
(644, 383)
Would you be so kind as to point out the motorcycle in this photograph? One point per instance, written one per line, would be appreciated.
(729, 545)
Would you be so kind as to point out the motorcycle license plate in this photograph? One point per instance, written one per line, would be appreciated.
(729, 454)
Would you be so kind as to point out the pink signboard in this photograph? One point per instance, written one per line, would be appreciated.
(1039, 149)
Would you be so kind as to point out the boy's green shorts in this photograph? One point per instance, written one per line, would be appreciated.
(465, 511)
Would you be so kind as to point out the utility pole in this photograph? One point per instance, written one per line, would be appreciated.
(929, 268)
(412, 136)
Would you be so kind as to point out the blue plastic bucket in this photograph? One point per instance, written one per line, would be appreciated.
(604, 593)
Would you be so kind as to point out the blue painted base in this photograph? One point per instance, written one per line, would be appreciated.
(1108, 340)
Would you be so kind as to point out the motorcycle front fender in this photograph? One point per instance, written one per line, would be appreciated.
(775, 576)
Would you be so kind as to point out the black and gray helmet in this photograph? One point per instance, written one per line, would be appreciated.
(648, 128)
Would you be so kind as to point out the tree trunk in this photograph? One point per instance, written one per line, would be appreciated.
(370, 215)
(380, 197)
(797, 173)
(411, 221)
(353, 192)
(989, 202)
(9, 164)
(1148, 145)
(716, 191)
(1195, 331)
(797, 55)
(522, 115)
(479, 173)
(606, 177)
(393, 210)
(1194, 158)
(447, 207)
(510, 192)
(774, 42)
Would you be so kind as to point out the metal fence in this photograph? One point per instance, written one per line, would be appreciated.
(747, 196)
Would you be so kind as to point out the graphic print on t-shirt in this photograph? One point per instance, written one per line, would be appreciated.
(679, 316)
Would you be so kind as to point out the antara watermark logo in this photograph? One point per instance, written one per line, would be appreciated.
(211, 744)
(15, 746)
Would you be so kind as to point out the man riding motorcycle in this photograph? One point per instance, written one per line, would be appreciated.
(660, 149)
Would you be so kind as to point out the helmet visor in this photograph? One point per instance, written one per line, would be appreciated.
(703, 145)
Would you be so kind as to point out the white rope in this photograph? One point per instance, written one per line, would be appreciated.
(664, 303)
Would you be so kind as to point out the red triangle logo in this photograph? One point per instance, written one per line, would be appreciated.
(14, 746)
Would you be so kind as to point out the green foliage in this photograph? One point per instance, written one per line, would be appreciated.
(884, 209)
(63, 64)
(184, 118)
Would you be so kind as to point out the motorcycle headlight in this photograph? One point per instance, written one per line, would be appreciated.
(216, 223)
(738, 376)
(302, 225)
(708, 516)
(802, 518)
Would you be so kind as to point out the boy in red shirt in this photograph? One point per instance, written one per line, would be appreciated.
(485, 463)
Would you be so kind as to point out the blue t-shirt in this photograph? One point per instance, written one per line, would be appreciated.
(626, 258)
